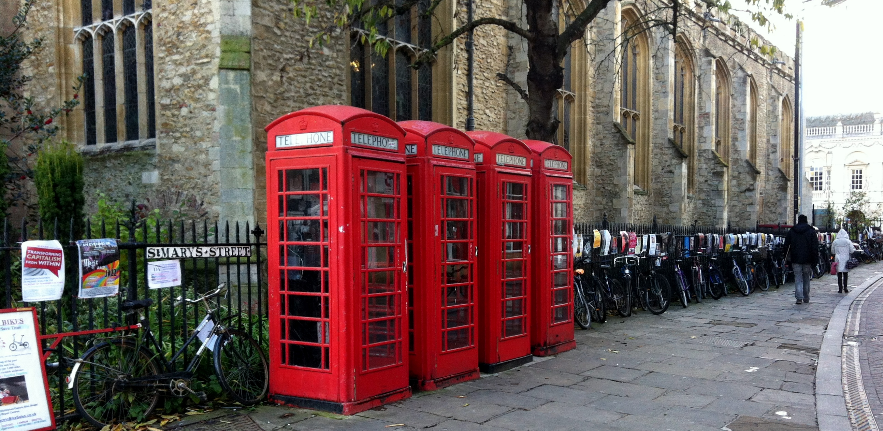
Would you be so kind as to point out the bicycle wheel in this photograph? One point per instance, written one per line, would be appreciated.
(817, 270)
(597, 304)
(715, 283)
(777, 275)
(241, 367)
(13, 346)
(741, 283)
(748, 274)
(581, 311)
(622, 298)
(682, 289)
(761, 280)
(111, 385)
(657, 294)
(698, 285)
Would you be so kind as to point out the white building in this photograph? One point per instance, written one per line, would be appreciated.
(843, 154)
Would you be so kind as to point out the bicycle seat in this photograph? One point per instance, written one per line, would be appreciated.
(136, 304)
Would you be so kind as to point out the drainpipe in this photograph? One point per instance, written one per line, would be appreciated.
(798, 126)
(470, 72)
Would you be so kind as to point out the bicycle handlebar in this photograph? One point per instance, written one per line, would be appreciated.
(221, 288)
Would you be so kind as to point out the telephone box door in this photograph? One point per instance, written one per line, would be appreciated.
(379, 272)
(302, 331)
(456, 230)
(514, 267)
(560, 228)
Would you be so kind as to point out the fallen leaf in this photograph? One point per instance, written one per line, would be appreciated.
(464, 405)
(692, 336)
(461, 396)
(286, 415)
(603, 359)
(394, 425)
(191, 413)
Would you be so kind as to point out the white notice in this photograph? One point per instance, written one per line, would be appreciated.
(42, 273)
(163, 273)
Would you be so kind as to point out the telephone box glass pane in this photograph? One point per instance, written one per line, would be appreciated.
(302, 180)
(410, 255)
(562, 300)
(303, 258)
(381, 301)
(457, 220)
(559, 192)
(514, 258)
(458, 230)
(457, 186)
(381, 232)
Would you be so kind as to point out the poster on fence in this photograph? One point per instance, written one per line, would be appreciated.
(42, 271)
(163, 273)
(99, 267)
(24, 393)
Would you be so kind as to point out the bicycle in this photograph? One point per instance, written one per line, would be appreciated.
(681, 280)
(653, 290)
(616, 295)
(776, 264)
(701, 286)
(589, 304)
(741, 282)
(14, 345)
(755, 274)
(716, 286)
(120, 380)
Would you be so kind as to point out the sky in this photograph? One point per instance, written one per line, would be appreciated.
(841, 63)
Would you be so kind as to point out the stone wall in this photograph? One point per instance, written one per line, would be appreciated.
(288, 76)
(491, 96)
(187, 52)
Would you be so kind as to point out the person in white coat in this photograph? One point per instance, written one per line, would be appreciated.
(841, 249)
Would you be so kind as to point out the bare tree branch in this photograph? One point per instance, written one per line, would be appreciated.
(576, 28)
(450, 38)
(505, 78)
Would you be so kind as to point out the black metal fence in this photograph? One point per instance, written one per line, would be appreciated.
(245, 306)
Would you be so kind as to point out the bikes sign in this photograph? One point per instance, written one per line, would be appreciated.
(24, 393)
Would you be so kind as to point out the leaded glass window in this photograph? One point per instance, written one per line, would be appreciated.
(101, 41)
(106, 10)
(130, 71)
(389, 85)
(110, 88)
(89, 90)
(148, 72)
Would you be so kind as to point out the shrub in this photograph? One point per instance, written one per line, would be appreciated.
(59, 180)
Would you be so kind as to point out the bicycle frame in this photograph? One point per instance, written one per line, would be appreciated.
(145, 334)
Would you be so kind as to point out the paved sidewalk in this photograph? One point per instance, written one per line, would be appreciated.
(741, 363)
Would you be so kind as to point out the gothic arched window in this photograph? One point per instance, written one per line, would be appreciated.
(684, 114)
(635, 92)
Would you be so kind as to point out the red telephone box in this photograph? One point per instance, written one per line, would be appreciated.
(336, 241)
(441, 255)
(504, 184)
(551, 262)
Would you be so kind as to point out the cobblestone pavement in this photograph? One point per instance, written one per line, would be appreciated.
(740, 363)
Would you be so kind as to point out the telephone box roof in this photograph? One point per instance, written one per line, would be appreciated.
(339, 113)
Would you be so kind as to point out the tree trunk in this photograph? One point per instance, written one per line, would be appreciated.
(545, 74)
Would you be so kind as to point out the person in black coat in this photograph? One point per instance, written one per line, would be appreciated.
(802, 245)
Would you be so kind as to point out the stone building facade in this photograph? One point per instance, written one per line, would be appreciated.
(844, 154)
(699, 131)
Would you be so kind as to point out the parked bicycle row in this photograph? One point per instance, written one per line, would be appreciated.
(618, 273)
